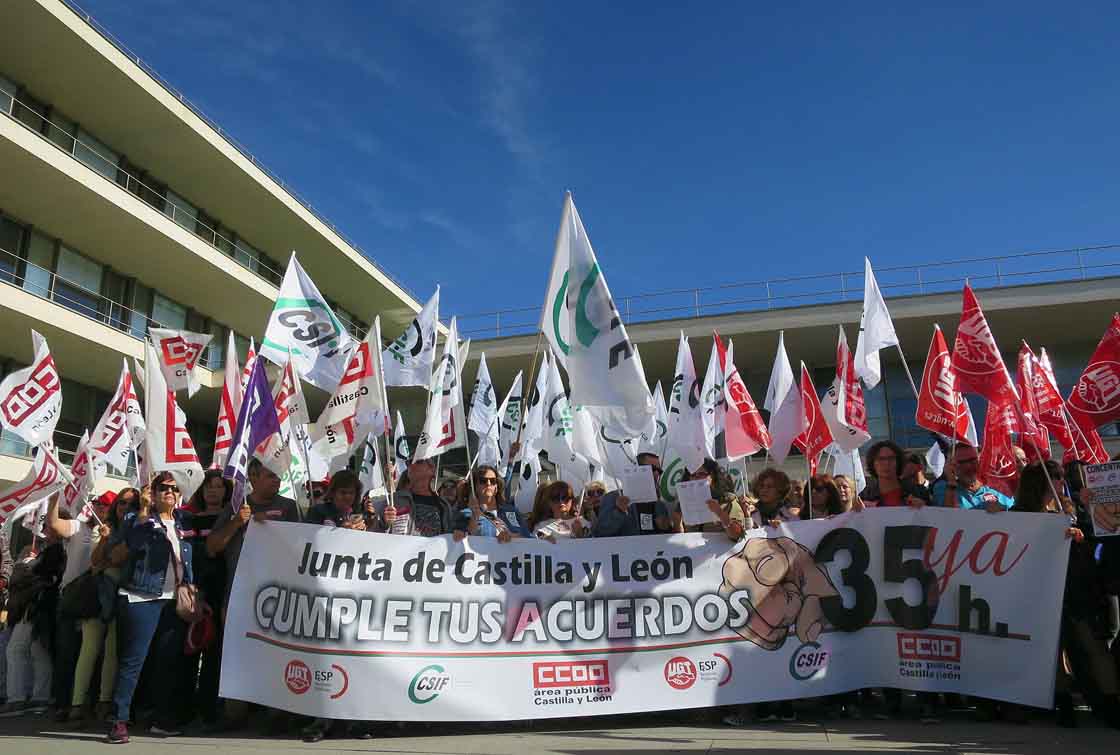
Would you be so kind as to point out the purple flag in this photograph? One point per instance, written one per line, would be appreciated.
(255, 423)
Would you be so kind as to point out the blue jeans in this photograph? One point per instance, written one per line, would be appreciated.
(142, 627)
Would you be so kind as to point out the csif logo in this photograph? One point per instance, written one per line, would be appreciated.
(428, 683)
(808, 661)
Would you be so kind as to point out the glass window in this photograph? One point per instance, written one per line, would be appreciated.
(8, 91)
(114, 292)
(181, 211)
(40, 262)
(225, 239)
(204, 228)
(30, 112)
(214, 358)
(247, 255)
(168, 314)
(11, 245)
(270, 270)
(241, 343)
(61, 130)
(141, 309)
(78, 282)
(96, 155)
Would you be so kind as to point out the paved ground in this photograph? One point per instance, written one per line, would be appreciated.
(683, 732)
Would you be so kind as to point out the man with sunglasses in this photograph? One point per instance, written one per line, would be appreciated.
(621, 517)
(960, 487)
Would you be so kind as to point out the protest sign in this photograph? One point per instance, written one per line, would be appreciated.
(1104, 481)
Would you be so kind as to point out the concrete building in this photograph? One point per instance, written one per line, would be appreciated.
(122, 206)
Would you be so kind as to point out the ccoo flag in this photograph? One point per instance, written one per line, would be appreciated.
(303, 322)
(816, 436)
(121, 428)
(45, 477)
(229, 405)
(746, 432)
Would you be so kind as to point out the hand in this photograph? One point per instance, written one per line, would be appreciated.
(514, 448)
(145, 497)
(389, 515)
(774, 523)
(103, 531)
(577, 527)
(622, 503)
(714, 507)
(677, 520)
(993, 507)
(458, 536)
(1087, 496)
(951, 471)
(734, 530)
(244, 514)
(355, 524)
(504, 536)
(915, 502)
(1076, 534)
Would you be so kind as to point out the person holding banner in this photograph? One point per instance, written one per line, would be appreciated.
(415, 509)
(156, 558)
(484, 509)
(724, 504)
(771, 489)
(821, 498)
(621, 517)
(340, 507)
(849, 501)
(886, 486)
(960, 486)
(593, 493)
(554, 514)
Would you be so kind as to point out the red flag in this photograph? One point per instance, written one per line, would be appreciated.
(816, 437)
(1095, 400)
(1087, 444)
(745, 430)
(976, 358)
(1032, 434)
(997, 459)
(1052, 413)
(941, 407)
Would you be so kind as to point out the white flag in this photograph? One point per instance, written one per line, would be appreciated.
(31, 398)
(121, 428)
(532, 435)
(605, 377)
(685, 446)
(408, 360)
(358, 402)
(371, 472)
(46, 477)
(400, 447)
(229, 404)
(303, 322)
(653, 439)
(876, 331)
(529, 469)
(85, 471)
(444, 424)
(557, 415)
(250, 360)
(509, 420)
(783, 401)
(179, 352)
(842, 406)
(714, 404)
(168, 444)
(291, 412)
(484, 416)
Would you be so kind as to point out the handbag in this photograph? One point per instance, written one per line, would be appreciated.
(80, 599)
(189, 605)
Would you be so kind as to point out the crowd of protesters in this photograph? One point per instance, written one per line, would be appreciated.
(119, 619)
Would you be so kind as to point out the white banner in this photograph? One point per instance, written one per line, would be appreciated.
(350, 625)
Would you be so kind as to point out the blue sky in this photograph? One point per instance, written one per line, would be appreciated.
(705, 143)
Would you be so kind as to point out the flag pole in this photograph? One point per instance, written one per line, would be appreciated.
(906, 367)
(515, 482)
(807, 493)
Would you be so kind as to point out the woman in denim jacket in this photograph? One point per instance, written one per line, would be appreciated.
(155, 557)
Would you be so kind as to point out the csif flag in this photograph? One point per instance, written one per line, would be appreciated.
(746, 433)
(941, 407)
(976, 358)
(605, 377)
(684, 445)
(1095, 400)
(509, 414)
(652, 440)
(303, 322)
(444, 423)
(167, 444)
(483, 418)
(713, 401)
(408, 360)
(31, 398)
(179, 352)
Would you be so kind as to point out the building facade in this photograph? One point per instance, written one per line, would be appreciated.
(122, 207)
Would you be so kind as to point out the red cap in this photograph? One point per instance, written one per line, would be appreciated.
(107, 498)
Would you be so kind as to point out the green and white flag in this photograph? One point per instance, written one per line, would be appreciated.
(303, 322)
(685, 446)
(445, 424)
(605, 376)
(408, 360)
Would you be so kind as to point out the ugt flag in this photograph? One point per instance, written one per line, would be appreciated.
(303, 322)
(1095, 400)
(31, 398)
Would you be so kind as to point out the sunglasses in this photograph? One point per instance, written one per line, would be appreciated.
(593, 494)
(317, 493)
(562, 498)
(487, 480)
(820, 489)
(167, 488)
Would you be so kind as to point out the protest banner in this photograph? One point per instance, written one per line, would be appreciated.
(351, 625)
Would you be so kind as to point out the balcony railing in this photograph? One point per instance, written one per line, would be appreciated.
(1050, 266)
(66, 444)
(124, 49)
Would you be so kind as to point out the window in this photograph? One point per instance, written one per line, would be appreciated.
(11, 245)
(168, 314)
(114, 292)
(7, 95)
(181, 211)
(77, 285)
(224, 239)
(40, 262)
(214, 358)
(141, 308)
(96, 155)
(30, 112)
(204, 228)
(247, 255)
(61, 130)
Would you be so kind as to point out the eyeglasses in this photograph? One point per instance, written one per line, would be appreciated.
(593, 493)
(164, 487)
(487, 481)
